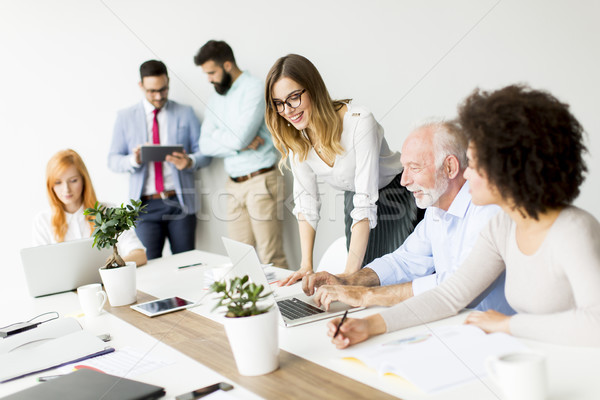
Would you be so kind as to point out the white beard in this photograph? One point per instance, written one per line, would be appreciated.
(429, 197)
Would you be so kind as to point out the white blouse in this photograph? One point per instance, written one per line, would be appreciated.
(366, 166)
(79, 228)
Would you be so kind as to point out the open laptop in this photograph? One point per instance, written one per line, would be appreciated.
(61, 267)
(294, 310)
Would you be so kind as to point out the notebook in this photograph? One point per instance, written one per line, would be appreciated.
(61, 267)
(87, 384)
(294, 310)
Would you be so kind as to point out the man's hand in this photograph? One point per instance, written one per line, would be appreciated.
(313, 281)
(355, 331)
(354, 296)
(137, 152)
(490, 321)
(255, 144)
(295, 276)
(179, 160)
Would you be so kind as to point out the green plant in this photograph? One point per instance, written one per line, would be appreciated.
(110, 223)
(240, 296)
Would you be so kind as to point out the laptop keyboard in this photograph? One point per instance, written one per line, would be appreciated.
(295, 309)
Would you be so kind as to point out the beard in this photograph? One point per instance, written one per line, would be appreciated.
(430, 196)
(225, 84)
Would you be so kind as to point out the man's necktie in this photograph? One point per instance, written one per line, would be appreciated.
(158, 172)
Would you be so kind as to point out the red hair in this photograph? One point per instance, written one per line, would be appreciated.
(55, 167)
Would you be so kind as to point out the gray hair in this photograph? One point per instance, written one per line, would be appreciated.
(448, 140)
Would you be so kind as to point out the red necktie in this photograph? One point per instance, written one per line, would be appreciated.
(158, 172)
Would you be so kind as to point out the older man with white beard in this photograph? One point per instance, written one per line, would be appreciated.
(434, 159)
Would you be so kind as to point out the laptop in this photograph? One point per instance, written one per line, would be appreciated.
(294, 310)
(61, 267)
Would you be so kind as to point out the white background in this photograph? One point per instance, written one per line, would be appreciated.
(68, 66)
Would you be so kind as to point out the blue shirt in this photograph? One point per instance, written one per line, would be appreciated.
(230, 124)
(438, 246)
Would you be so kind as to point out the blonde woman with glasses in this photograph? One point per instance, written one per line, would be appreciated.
(343, 145)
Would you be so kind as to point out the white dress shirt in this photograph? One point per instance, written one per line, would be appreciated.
(366, 166)
(79, 228)
(161, 117)
(438, 246)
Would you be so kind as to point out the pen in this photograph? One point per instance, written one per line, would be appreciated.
(340, 324)
(190, 265)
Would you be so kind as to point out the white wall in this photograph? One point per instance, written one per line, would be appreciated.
(67, 66)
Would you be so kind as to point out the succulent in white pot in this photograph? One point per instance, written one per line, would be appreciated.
(250, 325)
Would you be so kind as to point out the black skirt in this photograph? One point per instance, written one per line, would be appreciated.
(397, 216)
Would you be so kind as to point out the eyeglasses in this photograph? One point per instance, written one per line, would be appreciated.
(162, 90)
(293, 101)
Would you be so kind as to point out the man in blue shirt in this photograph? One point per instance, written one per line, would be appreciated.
(234, 129)
(434, 159)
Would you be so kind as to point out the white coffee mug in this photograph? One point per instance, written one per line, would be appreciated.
(92, 299)
(520, 376)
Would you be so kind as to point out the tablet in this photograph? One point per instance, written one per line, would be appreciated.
(157, 152)
(162, 306)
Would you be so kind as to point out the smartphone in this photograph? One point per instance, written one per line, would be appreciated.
(162, 306)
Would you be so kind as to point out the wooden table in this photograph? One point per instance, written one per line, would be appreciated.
(206, 342)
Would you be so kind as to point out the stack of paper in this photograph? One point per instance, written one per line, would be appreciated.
(440, 358)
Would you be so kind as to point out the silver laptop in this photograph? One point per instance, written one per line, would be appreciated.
(294, 310)
(61, 267)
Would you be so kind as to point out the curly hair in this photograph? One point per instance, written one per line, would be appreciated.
(528, 145)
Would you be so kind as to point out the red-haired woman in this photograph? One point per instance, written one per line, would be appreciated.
(70, 191)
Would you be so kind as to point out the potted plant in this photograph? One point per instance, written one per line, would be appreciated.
(251, 326)
(117, 275)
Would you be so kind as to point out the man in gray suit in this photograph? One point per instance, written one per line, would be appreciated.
(167, 188)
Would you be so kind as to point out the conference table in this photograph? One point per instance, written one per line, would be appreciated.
(192, 348)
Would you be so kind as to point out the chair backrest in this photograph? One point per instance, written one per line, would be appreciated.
(334, 258)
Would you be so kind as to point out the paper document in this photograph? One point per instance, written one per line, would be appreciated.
(438, 359)
(125, 362)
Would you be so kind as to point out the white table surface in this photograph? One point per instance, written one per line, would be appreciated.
(182, 375)
(572, 371)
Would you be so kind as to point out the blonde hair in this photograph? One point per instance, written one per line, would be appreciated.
(55, 167)
(324, 120)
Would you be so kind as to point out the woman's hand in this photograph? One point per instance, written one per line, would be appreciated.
(295, 276)
(490, 321)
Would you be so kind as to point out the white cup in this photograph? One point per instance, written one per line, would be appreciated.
(92, 298)
(520, 376)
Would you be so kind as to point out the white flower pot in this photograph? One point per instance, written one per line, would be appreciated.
(254, 342)
(119, 284)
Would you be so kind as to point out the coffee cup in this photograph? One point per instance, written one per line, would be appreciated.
(520, 376)
(92, 299)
